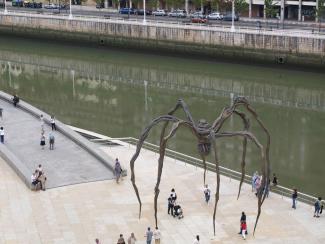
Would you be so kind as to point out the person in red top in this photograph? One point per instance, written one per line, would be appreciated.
(243, 227)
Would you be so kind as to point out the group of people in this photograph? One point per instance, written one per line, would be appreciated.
(51, 138)
(173, 207)
(149, 235)
(38, 178)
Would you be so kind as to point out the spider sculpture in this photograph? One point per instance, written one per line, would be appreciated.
(207, 135)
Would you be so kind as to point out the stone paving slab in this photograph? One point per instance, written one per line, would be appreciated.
(80, 213)
(67, 164)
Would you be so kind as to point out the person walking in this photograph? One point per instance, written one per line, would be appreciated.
(42, 143)
(53, 123)
(97, 241)
(42, 121)
(322, 203)
(197, 240)
(317, 207)
(244, 229)
(157, 235)
(207, 193)
(171, 205)
(51, 141)
(121, 240)
(117, 170)
(149, 235)
(2, 135)
(132, 239)
(294, 198)
(242, 219)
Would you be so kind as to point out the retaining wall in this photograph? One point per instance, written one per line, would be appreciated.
(213, 42)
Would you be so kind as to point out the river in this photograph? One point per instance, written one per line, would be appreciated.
(118, 92)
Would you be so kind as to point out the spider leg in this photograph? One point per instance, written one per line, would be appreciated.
(243, 163)
(162, 149)
(251, 137)
(218, 179)
(141, 140)
(205, 168)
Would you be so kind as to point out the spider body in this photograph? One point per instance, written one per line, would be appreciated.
(207, 135)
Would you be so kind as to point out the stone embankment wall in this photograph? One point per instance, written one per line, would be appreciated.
(249, 45)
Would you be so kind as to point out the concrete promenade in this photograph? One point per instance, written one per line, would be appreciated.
(80, 213)
(69, 162)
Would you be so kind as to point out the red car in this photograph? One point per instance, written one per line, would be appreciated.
(199, 20)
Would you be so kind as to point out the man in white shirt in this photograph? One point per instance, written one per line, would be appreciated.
(157, 235)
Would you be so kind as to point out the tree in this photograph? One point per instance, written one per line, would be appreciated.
(270, 9)
(320, 12)
(152, 4)
(240, 6)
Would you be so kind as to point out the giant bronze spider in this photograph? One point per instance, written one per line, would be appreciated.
(207, 135)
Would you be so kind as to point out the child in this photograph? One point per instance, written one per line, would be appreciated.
(243, 227)
(207, 194)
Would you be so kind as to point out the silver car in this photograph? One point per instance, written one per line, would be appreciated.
(215, 16)
(177, 13)
(159, 12)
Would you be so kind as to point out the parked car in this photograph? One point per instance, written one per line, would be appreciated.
(51, 6)
(199, 19)
(215, 16)
(17, 3)
(228, 17)
(127, 11)
(28, 4)
(177, 13)
(141, 12)
(159, 12)
(197, 14)
(100, 5)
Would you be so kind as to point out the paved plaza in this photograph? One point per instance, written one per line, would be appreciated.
(103, 209)
(67, 164)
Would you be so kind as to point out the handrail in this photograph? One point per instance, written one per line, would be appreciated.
(232, 174)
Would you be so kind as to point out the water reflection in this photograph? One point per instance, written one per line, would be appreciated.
(118, 93)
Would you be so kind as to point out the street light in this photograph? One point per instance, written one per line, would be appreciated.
(233, 17)
(6, 11)
(144, 12)
(70, 15)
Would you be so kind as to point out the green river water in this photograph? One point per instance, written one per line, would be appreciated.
(118, 92)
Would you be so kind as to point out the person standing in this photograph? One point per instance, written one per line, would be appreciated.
(157, 235)
(117, 170)
(171, 205)
(51, 141)
(321, 206)
(317, 207)
(53, 123)
(97, 241)
(42, 143)
(15, 100)
(132, 239)
(2, 135)
(207, 193)
(121, 240)
(242, 219)
(173, 194)
(42, 121)
(197, 240)
(149, 235)
(294, 198)
(275, 180)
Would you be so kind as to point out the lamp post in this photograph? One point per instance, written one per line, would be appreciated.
(144, 12)
(233, 17)
(6, 11)
(70, 14)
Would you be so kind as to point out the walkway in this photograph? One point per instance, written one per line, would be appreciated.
(80, 213)
(69, 163)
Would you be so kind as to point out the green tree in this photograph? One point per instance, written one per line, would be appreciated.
(152, 4)
(270, 9)
(241, 6)
(320, 12)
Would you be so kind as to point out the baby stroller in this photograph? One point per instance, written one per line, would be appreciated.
(178, 212)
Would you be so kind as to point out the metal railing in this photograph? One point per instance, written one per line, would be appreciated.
(179, 24)
(186, 159)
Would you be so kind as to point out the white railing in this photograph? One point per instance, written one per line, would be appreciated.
(179, 24)
(186, 159)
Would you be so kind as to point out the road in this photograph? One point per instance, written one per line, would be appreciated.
(244, 22)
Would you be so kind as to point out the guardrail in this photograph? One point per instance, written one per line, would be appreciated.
(180, 24)
(232, 174)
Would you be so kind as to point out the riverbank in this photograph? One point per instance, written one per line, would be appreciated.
(278, 46)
